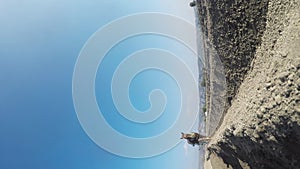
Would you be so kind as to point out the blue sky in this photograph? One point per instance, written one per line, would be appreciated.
(39, 45)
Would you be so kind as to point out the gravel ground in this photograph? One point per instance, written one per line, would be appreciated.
(260, 49)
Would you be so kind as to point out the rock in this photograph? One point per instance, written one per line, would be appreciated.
(292, 68)
(268, 85)
(259, 115)
(272, 138)
(261, 101)
(272, 89)
(290, 83)
(283, 76)
(278, 99)
(232, 127)
(284, 53)
(263, 109)
(292, 76)
(287, 93)
(298, 84)
(297, 108)
(256, 136)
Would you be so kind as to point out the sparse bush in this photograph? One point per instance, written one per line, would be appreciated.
(204, 108)
(192, 4)
(203, 82)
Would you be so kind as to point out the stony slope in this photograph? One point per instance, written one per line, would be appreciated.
(260, 48)
(235, 28)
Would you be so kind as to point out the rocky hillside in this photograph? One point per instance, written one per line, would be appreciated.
(258, 43)
(235, 28)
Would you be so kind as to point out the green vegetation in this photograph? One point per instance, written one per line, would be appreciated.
(203, 82)
(204, 108)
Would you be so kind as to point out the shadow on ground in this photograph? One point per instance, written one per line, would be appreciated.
(273, 148)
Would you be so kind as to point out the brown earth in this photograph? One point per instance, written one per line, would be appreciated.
(258, 43)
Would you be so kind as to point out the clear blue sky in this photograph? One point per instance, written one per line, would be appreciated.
(39, 44)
